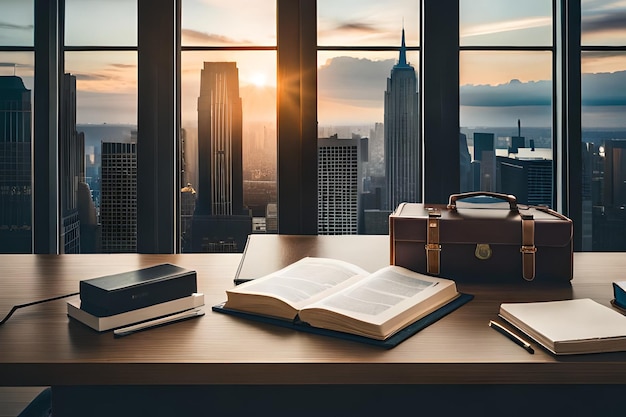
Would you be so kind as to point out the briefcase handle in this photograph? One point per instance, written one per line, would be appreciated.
(511, 199)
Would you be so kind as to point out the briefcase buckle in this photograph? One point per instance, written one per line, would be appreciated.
(483, 251)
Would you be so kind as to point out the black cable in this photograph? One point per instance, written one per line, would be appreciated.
(33, 303)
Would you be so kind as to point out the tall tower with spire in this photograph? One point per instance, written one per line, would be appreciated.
(402, 150)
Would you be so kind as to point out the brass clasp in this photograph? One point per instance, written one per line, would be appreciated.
(483, 251)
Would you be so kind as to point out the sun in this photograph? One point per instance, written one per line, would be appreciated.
(258, 79)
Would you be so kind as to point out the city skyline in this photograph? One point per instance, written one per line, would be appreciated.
(106, 81)
(604, 98)
(497, 88)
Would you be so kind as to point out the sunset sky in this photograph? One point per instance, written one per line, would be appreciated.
(494, 85)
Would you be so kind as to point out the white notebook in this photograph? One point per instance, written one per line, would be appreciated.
(570, 326)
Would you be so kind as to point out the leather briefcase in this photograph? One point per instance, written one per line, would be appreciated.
(482, 236)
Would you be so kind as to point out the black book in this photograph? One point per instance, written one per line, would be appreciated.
(118, 293)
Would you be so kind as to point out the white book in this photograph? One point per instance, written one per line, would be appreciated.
(336, 295)
(134, 316)
(569, 326)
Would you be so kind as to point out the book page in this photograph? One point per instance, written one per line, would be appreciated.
(388, 293)
(304, 281)
(374, 296)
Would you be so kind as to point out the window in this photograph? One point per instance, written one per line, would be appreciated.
(98, 128)
(506, 97)
(603, 94)
(16, 129)
(228, 119)
(368, 96)
(306, 72)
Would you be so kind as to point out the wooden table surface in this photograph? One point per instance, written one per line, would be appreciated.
(40, 346)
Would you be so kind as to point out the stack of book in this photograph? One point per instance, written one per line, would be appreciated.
(155, 293)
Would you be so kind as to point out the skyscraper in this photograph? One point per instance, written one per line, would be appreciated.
(219, 223)
(339, 176)
(118, 205)
(402, 151)
(529, 180)
(609, 212)
(220, 181)
(15, 166)
(484, 162)
(72, 167)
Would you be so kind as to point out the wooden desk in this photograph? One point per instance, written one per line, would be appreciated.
(40, 346)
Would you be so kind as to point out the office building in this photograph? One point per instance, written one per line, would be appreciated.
(401, 125)
(615, 173)
(271, 218)
(220, 223)
(71, 166)
(609, 209)
(465, 165)
(220, 187)
(517, 142)
(118, 204)
(529, 180)
(484, 162)
(339, 185)
(15, 166)
(187, 208)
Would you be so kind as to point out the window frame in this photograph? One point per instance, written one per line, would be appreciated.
(297, 176)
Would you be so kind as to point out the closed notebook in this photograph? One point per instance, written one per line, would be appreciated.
(569, 326)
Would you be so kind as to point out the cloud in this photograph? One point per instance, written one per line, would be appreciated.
(356, 32)
(5, 25)
(357, 27)
(606, 20)
(362, 82)
(513, 93)
(91, 77)
(507, 26)
(598, 89)
(354, 29)
(124, 66)
(350, 80)
(604, 89)
(194, 37)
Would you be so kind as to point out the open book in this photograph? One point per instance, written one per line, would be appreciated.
(336, 295)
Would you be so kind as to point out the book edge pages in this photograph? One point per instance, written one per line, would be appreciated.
(102, 324)
(567, 346)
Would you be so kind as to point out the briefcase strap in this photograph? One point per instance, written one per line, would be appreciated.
(433, 247)
(528, 248)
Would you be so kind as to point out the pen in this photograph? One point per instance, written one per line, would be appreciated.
(512, 336)
(124, 331)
